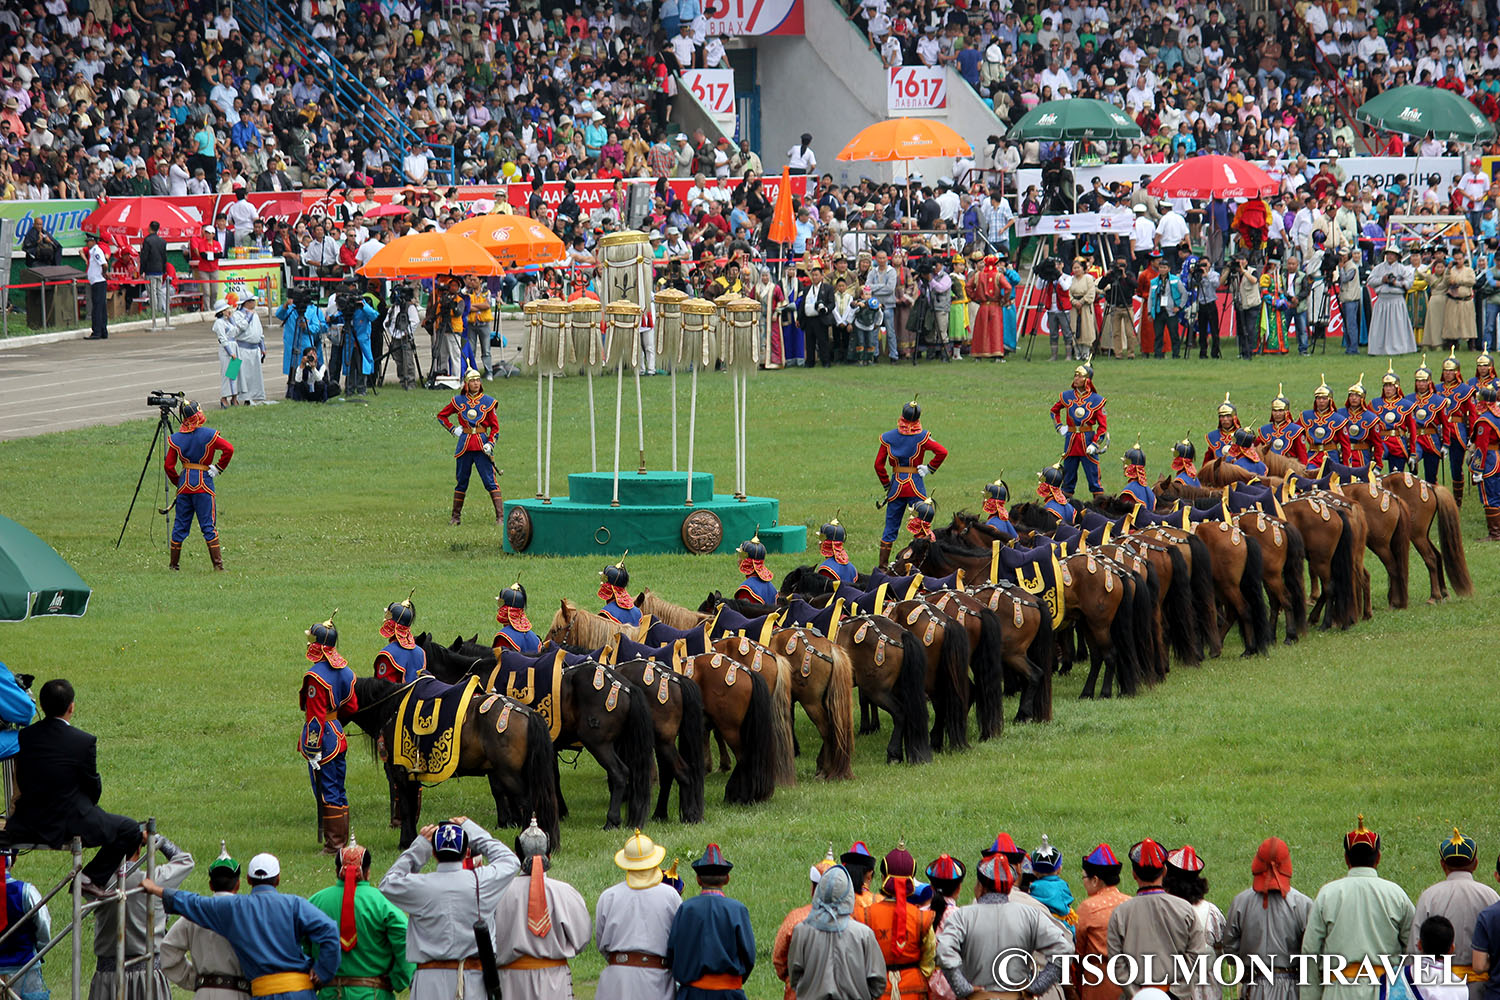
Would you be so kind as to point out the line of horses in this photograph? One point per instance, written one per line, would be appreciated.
(955, 624)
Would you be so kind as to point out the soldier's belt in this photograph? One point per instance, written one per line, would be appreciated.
(636, 959)
(281, 982)
(527, 962)
(196, 465)
(1360, 445)
(906, 469)
(369, 982)
(454, 964)
(221, 981)
(1320, 447)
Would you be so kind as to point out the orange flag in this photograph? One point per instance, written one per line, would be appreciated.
(783, 228)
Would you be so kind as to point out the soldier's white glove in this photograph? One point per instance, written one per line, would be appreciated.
(1062, 429)
(489, 449)
(1092, 450)
(924, 470)
(213, 471)
(1411, 464)
(458, 432)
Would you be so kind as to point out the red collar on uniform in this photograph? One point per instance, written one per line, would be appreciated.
(619, 595)
(920, 528)
(516, 618)
(908, 427)
(996, 508)
(1135, 474)
(401, 633)
(834, 551)
(194, 422)
(1050, 493)
(1186, 465)
(317, 651)
(755, 568)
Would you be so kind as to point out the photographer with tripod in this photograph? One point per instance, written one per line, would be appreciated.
(351, 315)
(446, 311)
(204, 455)
(302, 330)
(402, 319)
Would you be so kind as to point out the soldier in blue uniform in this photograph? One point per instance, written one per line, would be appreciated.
(1243, 453)
(1397, 429)
(1363, 448)
(757, 585)
(619, 606)
(402, 659)
(920, 522)
(327, 697)
(1484, 374)
(1325, 427)
(1053, 497)
(1183, 469)
(1485, 459)
(203, 454)
(835, 560)
(1432, 424)
(1079, 417)
(1220, 437)
(903, 449)
(996, 495)
(1460, 395)
(1283, 435)
(1136, 488)
(711, 947)
(476, 431)
(515, 628)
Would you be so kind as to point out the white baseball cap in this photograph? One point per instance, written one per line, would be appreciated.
(264, 866)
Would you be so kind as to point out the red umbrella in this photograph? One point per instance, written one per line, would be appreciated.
(391, 208)
(132, 218)
(1212, 176)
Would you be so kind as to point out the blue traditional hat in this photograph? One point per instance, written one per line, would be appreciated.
(1046, 859)
(1244, 437)
(998, 490)
(713, 862)
(1101, 860)
(449, 842)
(1458, 850)
(403, 613)
(920, 894)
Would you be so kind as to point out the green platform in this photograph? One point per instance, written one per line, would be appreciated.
(650, 518)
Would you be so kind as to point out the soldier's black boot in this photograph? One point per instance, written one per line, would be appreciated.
(176, 554)
(499, 505)
(458, 506)
(885, 553)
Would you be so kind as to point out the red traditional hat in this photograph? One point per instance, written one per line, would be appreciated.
(1148, 854)
(1361, 835)
(1003, 844)
(947, 869)
(1186, 859)
(996, 870)
(351, 866)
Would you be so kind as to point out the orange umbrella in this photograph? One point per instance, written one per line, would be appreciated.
(430, 255)
(783, 228)
(905, 139)
(514, 240)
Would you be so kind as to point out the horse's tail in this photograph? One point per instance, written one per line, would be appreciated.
(1205, 604)
(1256, 632)
(690, 748)
(754, 776)
(637, 751)
(1451, 540)
(782, 746)
(1043, 655)
(1123, 639)
(1341, 609)
(1155, 640)
(952, 685)
(1177, 611)
(911, 694)
(838, 707)
(1294, 578)
(539, 776)
(1398, 584)
(988, 665)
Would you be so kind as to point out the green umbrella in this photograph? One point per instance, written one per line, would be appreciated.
(1420, 111)
(1076, 118)
(34, 579)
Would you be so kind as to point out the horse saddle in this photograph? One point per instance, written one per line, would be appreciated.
(1252, 496)
(533, 681)
(1094, 522)
(1346, 473)
(428, 726)
(865, 601)
(730, 622)
(1013, 559)
(660, 634)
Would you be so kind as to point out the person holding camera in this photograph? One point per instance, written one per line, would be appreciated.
(446, 311)
(351, 315)
(1118, 286)
(1201, 285)
(816, 311)
(302, 326)
(1244, 287)
(402, 319)
(1164, 302)
(476, 431)
(204, 455)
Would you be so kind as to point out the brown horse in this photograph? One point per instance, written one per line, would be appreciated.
(1153, 652)
(1028, 646)
(1388, 526)
(942, 556)
(1283, 568)
(823, 684)
(1217, 473)
(573, 626)
(500, 739)
(890, 669)
(737, 703)
(1175, 608)
(673, 615)
(1329, 541)
(1238, 583)
(776, 672)
(946, 643)
(1429, 502)
(676, 707)
(1103, 604)
(987, 655)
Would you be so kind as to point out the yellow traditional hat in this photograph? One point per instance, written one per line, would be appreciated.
(641, 858)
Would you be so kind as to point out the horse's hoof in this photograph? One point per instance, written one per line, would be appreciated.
(1247, 654)
(611, 824)
(1435, 601)
(1290, 640)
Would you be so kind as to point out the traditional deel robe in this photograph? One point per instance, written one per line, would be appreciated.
(1219, 440)
(1390, 321)
(635, 920)
(1137, 491)
(196, 449)
(1363, 446)
(202, 962)
(1360, 916)
(1090, 936)
(1286, 438)
(535, 938)
(1270, 926)
(480, 426)
(1460, 898)
(989, 288)
(1486, 457)
(908, 944)
(1156, 924)
(516, 632)
(377, 949)
(328, 699)
(902, 450)
(1275, 321)
(402, 659)
(143, 981)
(1184, 471)
(999, 518)
(1245, 458)
(1397, 429)
(711, 947)
(1082, 413)
(836, 562)
(1325, 434)
(973, 935)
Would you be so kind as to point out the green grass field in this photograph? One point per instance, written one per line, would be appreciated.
(190, 679)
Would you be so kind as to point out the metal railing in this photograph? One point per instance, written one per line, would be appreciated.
(374, 121)
(118, 898)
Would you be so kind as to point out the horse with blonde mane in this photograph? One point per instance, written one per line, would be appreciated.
(572, 626)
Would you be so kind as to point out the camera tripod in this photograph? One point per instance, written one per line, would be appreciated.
(403, 327)
(163, 429)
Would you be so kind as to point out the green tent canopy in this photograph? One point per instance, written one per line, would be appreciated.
(1076, 118)
(34, 579)
(1418, 111)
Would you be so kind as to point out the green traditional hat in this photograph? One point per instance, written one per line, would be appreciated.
(224, 862)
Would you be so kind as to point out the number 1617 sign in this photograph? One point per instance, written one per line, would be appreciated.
(916, 90)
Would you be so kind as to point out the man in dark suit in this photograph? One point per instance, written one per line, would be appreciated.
(817, 317)
(60, 786)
